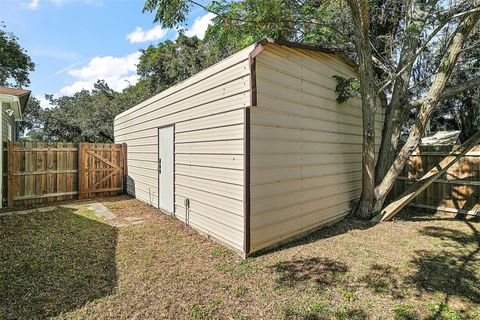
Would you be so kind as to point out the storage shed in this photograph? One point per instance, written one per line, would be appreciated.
(252, 151)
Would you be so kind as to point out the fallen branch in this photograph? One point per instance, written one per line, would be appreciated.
(393, 208)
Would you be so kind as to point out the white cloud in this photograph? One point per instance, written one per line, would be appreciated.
(44, 103)
(139, 35)
(55, 53)
(67, 68)
(118, 72)
(33, 5)
(200, 26)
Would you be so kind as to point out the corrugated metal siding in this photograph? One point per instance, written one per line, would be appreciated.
(305, 147)
(208, 114)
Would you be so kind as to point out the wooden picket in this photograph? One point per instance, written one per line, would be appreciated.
(40, 172)
(457, 191)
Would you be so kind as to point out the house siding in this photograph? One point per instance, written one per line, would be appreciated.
(208, 113)
(305, 158)
(7, 120)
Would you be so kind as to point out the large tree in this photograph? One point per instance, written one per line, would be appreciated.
(170, 62)
(88, 116)
(15, 64)
(32, 116)
(407, 52)
(419, 30)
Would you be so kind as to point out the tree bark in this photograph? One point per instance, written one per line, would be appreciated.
(360, 19)
(449, 92)
(396, 113)
(434, 95)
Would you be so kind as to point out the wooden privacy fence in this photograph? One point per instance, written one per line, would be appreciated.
(457, 191)
(39, 172)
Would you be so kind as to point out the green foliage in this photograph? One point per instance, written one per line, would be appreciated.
(32, 116)
(404, 312)
(412, 28)
(84, 117)
(170, 62)
(349, 296)
(462, 112)
(240, 23)
(88, 116)
(346, 88)
(15, 64)
(443, 311)
(311, 312)
(168, 12)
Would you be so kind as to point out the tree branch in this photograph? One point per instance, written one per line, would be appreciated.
(448, 92)
(447, 65)
(425, 45)
(267, 21)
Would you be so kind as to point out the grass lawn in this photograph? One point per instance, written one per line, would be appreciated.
(68, 264)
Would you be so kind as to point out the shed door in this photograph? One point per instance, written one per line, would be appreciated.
(165, 168)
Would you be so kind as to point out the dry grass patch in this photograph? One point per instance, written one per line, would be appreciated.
(418, 267)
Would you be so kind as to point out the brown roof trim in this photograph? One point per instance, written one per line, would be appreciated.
(23, 95)
(14, 91)
(342, 55)
(300, 45)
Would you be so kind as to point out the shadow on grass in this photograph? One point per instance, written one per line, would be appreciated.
(413, 215)
(322, 271)
(382, 279)
(453, 270)
(54, 262)
(324, 232)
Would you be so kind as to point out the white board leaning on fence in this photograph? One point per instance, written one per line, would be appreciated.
(262, 150)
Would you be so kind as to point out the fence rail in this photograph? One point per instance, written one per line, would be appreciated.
(458, 191)
(40, 172)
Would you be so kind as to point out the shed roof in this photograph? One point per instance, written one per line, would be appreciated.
(323, 49)
(441, 138)
(250, 51)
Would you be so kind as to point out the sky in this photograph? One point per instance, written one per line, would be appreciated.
(75, 42)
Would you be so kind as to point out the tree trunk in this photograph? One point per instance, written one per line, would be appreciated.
(397, 113)
(445, 70)
(360, 20)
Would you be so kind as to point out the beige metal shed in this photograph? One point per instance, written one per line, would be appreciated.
(252, 151)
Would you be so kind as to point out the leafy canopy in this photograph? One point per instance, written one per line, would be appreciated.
(88, 116)
(15, 64)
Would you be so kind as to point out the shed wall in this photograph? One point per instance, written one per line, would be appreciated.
(208, 113)
(305, 147)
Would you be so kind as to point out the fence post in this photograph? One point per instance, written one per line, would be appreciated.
(10, 186)
(125, 167)
(80, 171)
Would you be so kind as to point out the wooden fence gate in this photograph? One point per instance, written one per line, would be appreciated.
(101, 169)
(39, 172)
